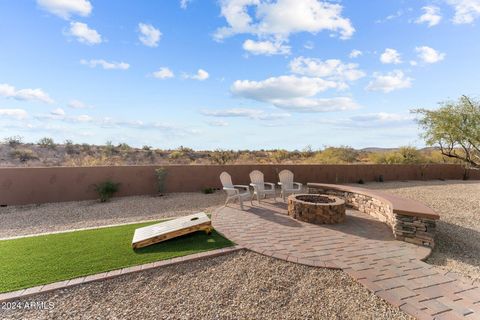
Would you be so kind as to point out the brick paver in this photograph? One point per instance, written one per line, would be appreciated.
(364, 248)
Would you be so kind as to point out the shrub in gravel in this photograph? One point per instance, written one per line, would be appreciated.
(106, 190)
(161, 174)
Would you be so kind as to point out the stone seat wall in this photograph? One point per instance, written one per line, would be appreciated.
(410, 221)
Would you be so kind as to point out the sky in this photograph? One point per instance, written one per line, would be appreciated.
(233, 74)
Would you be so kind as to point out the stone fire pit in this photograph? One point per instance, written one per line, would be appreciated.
(316, 208)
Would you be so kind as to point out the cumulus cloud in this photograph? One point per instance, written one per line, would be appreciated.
(77, 104)
(267, 48)
(429, 55)
(277, 20)
(201, 75)
(18, 114)
(245, 113)
(149, 35)
(293, 93)
(184, 3)
(10, 91)
(466, 11)
(58, 112)
(390, 81)
(66, 8)
(382, 117)
(390, 56)
(331, 69)
(431, 16)
(83, 33)
(355, 53)
(163, 73)
(105, 64)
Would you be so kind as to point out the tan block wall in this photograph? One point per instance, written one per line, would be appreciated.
(56, 184)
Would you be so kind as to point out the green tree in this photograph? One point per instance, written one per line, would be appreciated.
(454, 128)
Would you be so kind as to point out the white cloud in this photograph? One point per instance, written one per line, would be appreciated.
(431, 16)
(82, 118)
(466, 11)
(66, 8)
(218, 123)
(58, 112)
(429, 55)
(413, 63)
(105, 64)
(18, 114)
(266, 47)
(388, 82)
(163, 73)
(332, 69)
(316, 104)
(77, 104)
(355, 54)
(184, 3)
(293, 93)
(283, 87)
(275, 21)
(149, 35)
(309, 45)
(245, 113)
(10, 91)
(390, 56)
(84, 34)
(200, 75)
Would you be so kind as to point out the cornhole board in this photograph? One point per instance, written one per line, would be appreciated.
(170, 229)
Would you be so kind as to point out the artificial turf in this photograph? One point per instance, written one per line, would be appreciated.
(32, 261)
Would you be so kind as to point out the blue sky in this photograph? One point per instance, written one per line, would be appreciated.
(232, 74)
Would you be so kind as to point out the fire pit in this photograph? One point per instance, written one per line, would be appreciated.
(315, 208)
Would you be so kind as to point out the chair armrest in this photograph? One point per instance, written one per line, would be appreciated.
(241, 186)
(279, 183)
(231, 189)
(298, 184)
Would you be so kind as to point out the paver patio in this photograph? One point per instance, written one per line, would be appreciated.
(363, 247)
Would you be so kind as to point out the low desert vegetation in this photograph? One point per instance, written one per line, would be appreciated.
(14, 152)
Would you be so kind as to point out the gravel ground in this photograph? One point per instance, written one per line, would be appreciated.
(241, 285)
(457, 243)
(30, 219)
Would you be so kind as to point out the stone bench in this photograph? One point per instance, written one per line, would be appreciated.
(410, 220)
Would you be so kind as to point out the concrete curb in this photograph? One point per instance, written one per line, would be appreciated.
(23, 293)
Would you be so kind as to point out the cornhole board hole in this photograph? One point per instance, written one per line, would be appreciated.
(170, 229)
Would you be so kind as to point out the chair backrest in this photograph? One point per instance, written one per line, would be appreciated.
(257, 178)
(226, 180)
(286, 178)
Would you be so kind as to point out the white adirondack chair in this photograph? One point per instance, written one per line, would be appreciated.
(287, 184)
(258, 184)
(236, 191)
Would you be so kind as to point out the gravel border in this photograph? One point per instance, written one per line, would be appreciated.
(242, 285)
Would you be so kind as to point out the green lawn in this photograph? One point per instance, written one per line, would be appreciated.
(32, 261)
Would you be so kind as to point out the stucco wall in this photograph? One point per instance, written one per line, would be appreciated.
(55, 184)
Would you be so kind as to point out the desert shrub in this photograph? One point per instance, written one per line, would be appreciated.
(161, 174)
(336, 155)
(307, 152)
(109, 148)
(208, 190)
(221, 156)
(176, 154)
(404, 155)
(24, 155)
(124, 147)
(106, 190)
(13, 141)
(47, 143)
(70, 147)
(85, 147)
(280, 155)
(146, 148)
